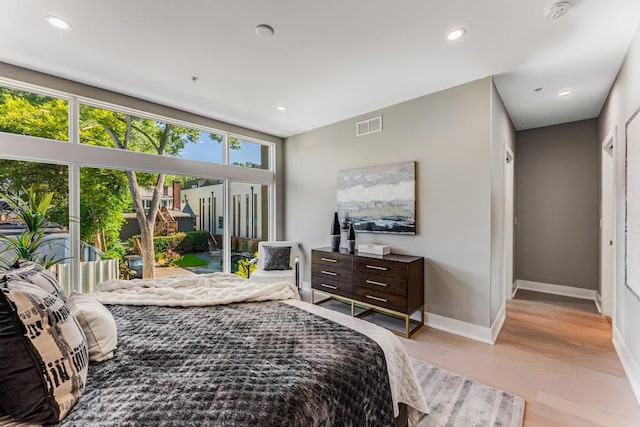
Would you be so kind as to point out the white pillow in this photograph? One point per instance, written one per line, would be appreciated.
(98, 325)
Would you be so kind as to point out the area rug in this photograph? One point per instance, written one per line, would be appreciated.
(456, 401)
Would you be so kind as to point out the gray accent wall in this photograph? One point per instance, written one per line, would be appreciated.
(448, 135)
(557, 204)
(623, 101)
(503, 135)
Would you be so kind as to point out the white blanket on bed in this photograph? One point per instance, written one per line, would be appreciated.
(192, 291)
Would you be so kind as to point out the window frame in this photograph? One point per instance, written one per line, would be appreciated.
(75, 155)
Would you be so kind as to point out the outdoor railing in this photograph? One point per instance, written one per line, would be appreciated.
(91, 273)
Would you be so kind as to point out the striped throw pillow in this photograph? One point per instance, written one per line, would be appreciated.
(43, 354)
(34, 273)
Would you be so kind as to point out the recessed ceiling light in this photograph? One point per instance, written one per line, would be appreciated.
(456, 34)
(265, 31)
(57, 22)
(564, 93)
(281, 108)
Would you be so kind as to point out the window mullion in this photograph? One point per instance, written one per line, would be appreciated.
(226, 252)
(74, 197)
(272, 194)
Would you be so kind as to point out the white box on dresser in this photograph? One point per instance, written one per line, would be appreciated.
(374, 249)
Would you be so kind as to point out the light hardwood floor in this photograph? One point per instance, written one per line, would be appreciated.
(558, 357)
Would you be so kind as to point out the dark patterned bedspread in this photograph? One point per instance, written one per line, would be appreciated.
(250, 364)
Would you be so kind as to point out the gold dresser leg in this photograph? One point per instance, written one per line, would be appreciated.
(406, 325)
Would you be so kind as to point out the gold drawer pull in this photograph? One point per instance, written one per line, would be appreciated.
(373, 282)
(375, 267)
(328, 286)
(376, 298)
(330, 273)
(328, 260)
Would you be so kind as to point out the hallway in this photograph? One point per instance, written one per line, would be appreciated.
(578, 304)
(558, 357)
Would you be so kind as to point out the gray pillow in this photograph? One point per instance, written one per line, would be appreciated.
(277, 257)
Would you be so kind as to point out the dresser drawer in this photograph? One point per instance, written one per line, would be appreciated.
(334, 259)
(331, 272)
(381, 299)
(381, 266)
(325, 284)
(378, 282)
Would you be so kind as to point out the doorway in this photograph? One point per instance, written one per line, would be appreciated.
(607, 226)
(509, 222)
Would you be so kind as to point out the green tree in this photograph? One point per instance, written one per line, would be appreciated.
(31, 114)
(126, 132)
(103, 193)
(246, 164)
(104, 196)
(26, 113)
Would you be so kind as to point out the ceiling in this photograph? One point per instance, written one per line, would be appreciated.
(328, 60)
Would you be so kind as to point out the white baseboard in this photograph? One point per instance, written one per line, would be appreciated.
(629, 364)
(514, 289)
(548, 288)
(498, 323)
(598, 301)
(465, 329)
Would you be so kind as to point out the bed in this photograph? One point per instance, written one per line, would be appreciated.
(214, 351)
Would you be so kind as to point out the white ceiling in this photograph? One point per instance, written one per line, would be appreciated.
(329, 60)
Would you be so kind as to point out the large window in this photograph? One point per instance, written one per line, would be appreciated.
(249, 221)
(132, 211)
(34, 194)
(248, 154)
(28, 113)
(120, 207)
(125, 131)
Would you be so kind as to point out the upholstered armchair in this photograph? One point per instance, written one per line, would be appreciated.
(277, 262)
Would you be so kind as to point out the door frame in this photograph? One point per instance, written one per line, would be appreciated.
(609, 147)
(509, 224)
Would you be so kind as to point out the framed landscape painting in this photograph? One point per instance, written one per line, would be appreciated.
(378, 199)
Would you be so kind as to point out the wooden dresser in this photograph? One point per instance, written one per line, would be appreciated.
(391, 284)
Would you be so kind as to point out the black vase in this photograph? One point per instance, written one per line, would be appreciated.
(351, 240)
(335, 233)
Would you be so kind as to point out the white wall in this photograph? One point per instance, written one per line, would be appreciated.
(503, 135)
(447, 134)
(623, 101)
(238, 189)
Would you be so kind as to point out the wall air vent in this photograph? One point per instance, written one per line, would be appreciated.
(369, 126)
